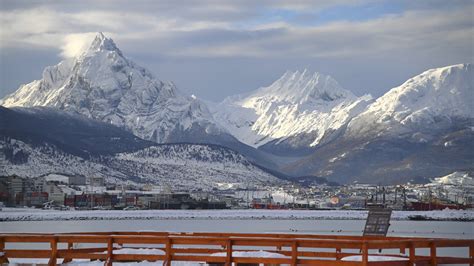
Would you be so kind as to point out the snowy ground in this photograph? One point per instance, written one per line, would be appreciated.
(248, 254)
(19, 214)
(15, 262)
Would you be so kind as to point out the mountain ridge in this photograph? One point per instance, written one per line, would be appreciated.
(423, 101)
(298, 103)
(401, 137)
(40, 140)
(101, 83)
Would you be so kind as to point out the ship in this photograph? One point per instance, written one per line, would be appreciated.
(267, 203)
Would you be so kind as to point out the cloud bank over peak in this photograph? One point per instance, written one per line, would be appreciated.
(75, 44)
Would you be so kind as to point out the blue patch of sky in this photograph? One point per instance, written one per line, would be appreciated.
(302, 18)
(362, 12)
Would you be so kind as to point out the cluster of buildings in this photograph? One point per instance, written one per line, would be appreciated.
(66, 192)
(398, 197)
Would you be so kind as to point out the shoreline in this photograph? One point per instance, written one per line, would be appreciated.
(20, 214)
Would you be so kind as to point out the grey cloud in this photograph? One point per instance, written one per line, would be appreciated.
(216, 48)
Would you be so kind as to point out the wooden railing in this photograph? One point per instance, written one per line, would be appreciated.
(294, 249)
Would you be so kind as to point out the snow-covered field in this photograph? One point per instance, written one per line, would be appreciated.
(19, 214)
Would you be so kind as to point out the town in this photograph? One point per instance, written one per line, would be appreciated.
(62, 192)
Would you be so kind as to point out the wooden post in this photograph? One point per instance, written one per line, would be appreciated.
(228, 259)
(402, 251)
(167, 261)
(412, 254)
(433, 253)
(471, 255)
(69, 247)
(338, 253)
(365, 254)
(110, 250)
(294, 253)
(54, 252)
(3, 258)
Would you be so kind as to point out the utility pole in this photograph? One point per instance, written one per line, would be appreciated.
(376, 194)
(404, 198)
(383, 196)
(430, 198)
(396, 190)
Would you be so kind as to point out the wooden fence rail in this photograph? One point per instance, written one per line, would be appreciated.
(291, 249)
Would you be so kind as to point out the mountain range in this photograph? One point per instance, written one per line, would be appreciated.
(420, 129)
(303, 124)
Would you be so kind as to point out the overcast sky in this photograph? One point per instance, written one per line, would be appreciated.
(215, 48)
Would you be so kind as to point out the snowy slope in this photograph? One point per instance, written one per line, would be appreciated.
(74, 134)
(297, 103)
(104, 85)
(419, 130)
(39, 141)
(456, 178)
(435, 99)
(181, 166)
(457, 186)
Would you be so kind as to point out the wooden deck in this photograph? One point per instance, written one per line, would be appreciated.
(298, 249)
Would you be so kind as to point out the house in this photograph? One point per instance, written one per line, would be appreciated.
(15, 188)
(55, 193)
(95, 181)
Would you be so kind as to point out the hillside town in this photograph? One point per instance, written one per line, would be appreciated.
(56, 191)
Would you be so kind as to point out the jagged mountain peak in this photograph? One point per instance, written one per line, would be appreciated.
(303, 104)
(91, 58)
(102, 43)
(301, 87)
(104, 85)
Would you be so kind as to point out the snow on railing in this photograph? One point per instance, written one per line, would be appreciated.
(233, 248)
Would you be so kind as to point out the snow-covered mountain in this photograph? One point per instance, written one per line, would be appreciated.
(419, 130)
(101, 83)
(72, 133)
(457, 186)
(299, 108)
(181, 166)
(434, 100)
(303, 124)
(38, 141)
(456, 178)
